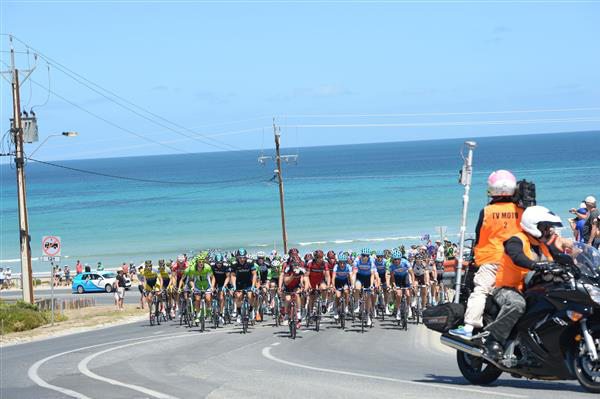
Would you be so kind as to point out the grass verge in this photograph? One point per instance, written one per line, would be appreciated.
(22, 316)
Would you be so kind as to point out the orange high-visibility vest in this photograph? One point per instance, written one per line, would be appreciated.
(513, 276)
(500, 222)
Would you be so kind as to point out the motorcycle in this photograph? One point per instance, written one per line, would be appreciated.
(558, 337)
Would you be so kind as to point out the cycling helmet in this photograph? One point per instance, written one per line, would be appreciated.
(293, 251)
(148, 263)
(365, 251)
(537, 221)
(241, 253)
(318, 253)
(396, 254)
(308, 257)
(161, 263)
(218, 258)
(169, 263)
(180, 258)
(353, 254)
(343, 258)
(379, 253)
(501, 183)
(331, 254)
(261, 254)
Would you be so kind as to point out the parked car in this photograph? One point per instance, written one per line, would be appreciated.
(99, 281)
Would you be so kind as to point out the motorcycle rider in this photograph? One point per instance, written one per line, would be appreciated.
(498, 221)
(523, 252)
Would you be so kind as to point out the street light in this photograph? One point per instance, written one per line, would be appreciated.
(66, 134)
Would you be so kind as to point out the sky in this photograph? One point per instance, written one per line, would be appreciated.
(330, 72)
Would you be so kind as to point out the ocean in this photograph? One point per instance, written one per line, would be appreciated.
(336, 197)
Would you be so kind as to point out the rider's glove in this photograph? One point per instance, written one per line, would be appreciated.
(544, 266)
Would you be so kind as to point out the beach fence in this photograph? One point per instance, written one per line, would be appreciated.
(60, 305)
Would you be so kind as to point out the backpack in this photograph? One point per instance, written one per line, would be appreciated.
(442, 318)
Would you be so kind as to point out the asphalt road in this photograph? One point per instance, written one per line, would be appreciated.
(102, 298)
(169, 361)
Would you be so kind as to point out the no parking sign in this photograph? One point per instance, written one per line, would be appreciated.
(51, 246)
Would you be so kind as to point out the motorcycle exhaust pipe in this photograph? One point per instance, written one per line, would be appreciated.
(461, 346)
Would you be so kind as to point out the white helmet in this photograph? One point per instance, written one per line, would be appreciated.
(537, 218)
(261, 254)
(501, 183)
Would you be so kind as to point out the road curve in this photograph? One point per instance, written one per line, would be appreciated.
(169, 361)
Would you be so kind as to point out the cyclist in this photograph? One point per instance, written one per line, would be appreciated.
(199, 277)
(152, 282)
(221, 270)
(421, 274)
(243, 278)
(273, 277)
(341, 282)
(383, 277)
(166, 283)
(318, 278)
(292, 280)
(263, 265)
(177, 269)
(364, 277)
(401, 273)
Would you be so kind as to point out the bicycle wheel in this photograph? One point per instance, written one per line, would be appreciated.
(292, 320)
(151, 310)
(245, 317)
(318, 315)
(190, 313)
(202, 315)
(276, 312)
(157, 310)
(363, 316)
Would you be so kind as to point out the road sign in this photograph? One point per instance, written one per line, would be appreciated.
(51, 246)
(50, 258)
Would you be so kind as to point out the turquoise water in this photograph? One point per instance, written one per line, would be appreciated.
(351, 196)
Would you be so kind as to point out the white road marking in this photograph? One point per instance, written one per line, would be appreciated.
(83, 368)
(266, 352)
(32, 373)
(275, 343)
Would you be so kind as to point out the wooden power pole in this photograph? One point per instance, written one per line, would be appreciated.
(277, 132)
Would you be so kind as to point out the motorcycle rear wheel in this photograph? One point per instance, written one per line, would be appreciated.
(476, 370)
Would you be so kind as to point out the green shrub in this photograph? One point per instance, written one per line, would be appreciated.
(21, 316)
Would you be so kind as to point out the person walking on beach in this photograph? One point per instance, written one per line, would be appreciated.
(120, 289)
(498, 221)
(67, 275)
(591, 228)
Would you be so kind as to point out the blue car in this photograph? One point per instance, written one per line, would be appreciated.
(99, 281)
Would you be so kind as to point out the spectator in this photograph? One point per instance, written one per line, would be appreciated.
(99, 267)
(78, 267)
(125, 269)
(120, 289)
(590, 228)
(577, 223)
(1, 278)
(8, 277)
(140, 277)
(67, 275)
(88, 268)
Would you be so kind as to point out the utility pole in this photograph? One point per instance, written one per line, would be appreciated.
(17, 132)
(465, 180)
(277, 132)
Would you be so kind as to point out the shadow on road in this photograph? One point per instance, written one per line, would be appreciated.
(510, 383)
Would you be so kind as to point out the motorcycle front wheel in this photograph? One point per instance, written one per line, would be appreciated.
(476, 370)
(586, 370)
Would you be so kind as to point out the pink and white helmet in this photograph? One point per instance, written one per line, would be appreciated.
(501, 183)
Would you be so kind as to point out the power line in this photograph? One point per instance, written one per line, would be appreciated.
(101, 91)
(91, 172)
(444, 113)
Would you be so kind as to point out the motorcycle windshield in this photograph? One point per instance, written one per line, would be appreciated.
(587, 258)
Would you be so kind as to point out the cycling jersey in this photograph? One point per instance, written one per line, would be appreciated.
(262, 270)
(275, 271)
(220, 271)
(400, 273)
(316, 272)
(381, 268)
(364, 269)
(243, 274)
(166, 276)
(420, 265)
(150, 278)
(342, 272)
(296, 272)
(178, 269)
(200, 278)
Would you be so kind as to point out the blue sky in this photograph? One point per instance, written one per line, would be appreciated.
(224, 69)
